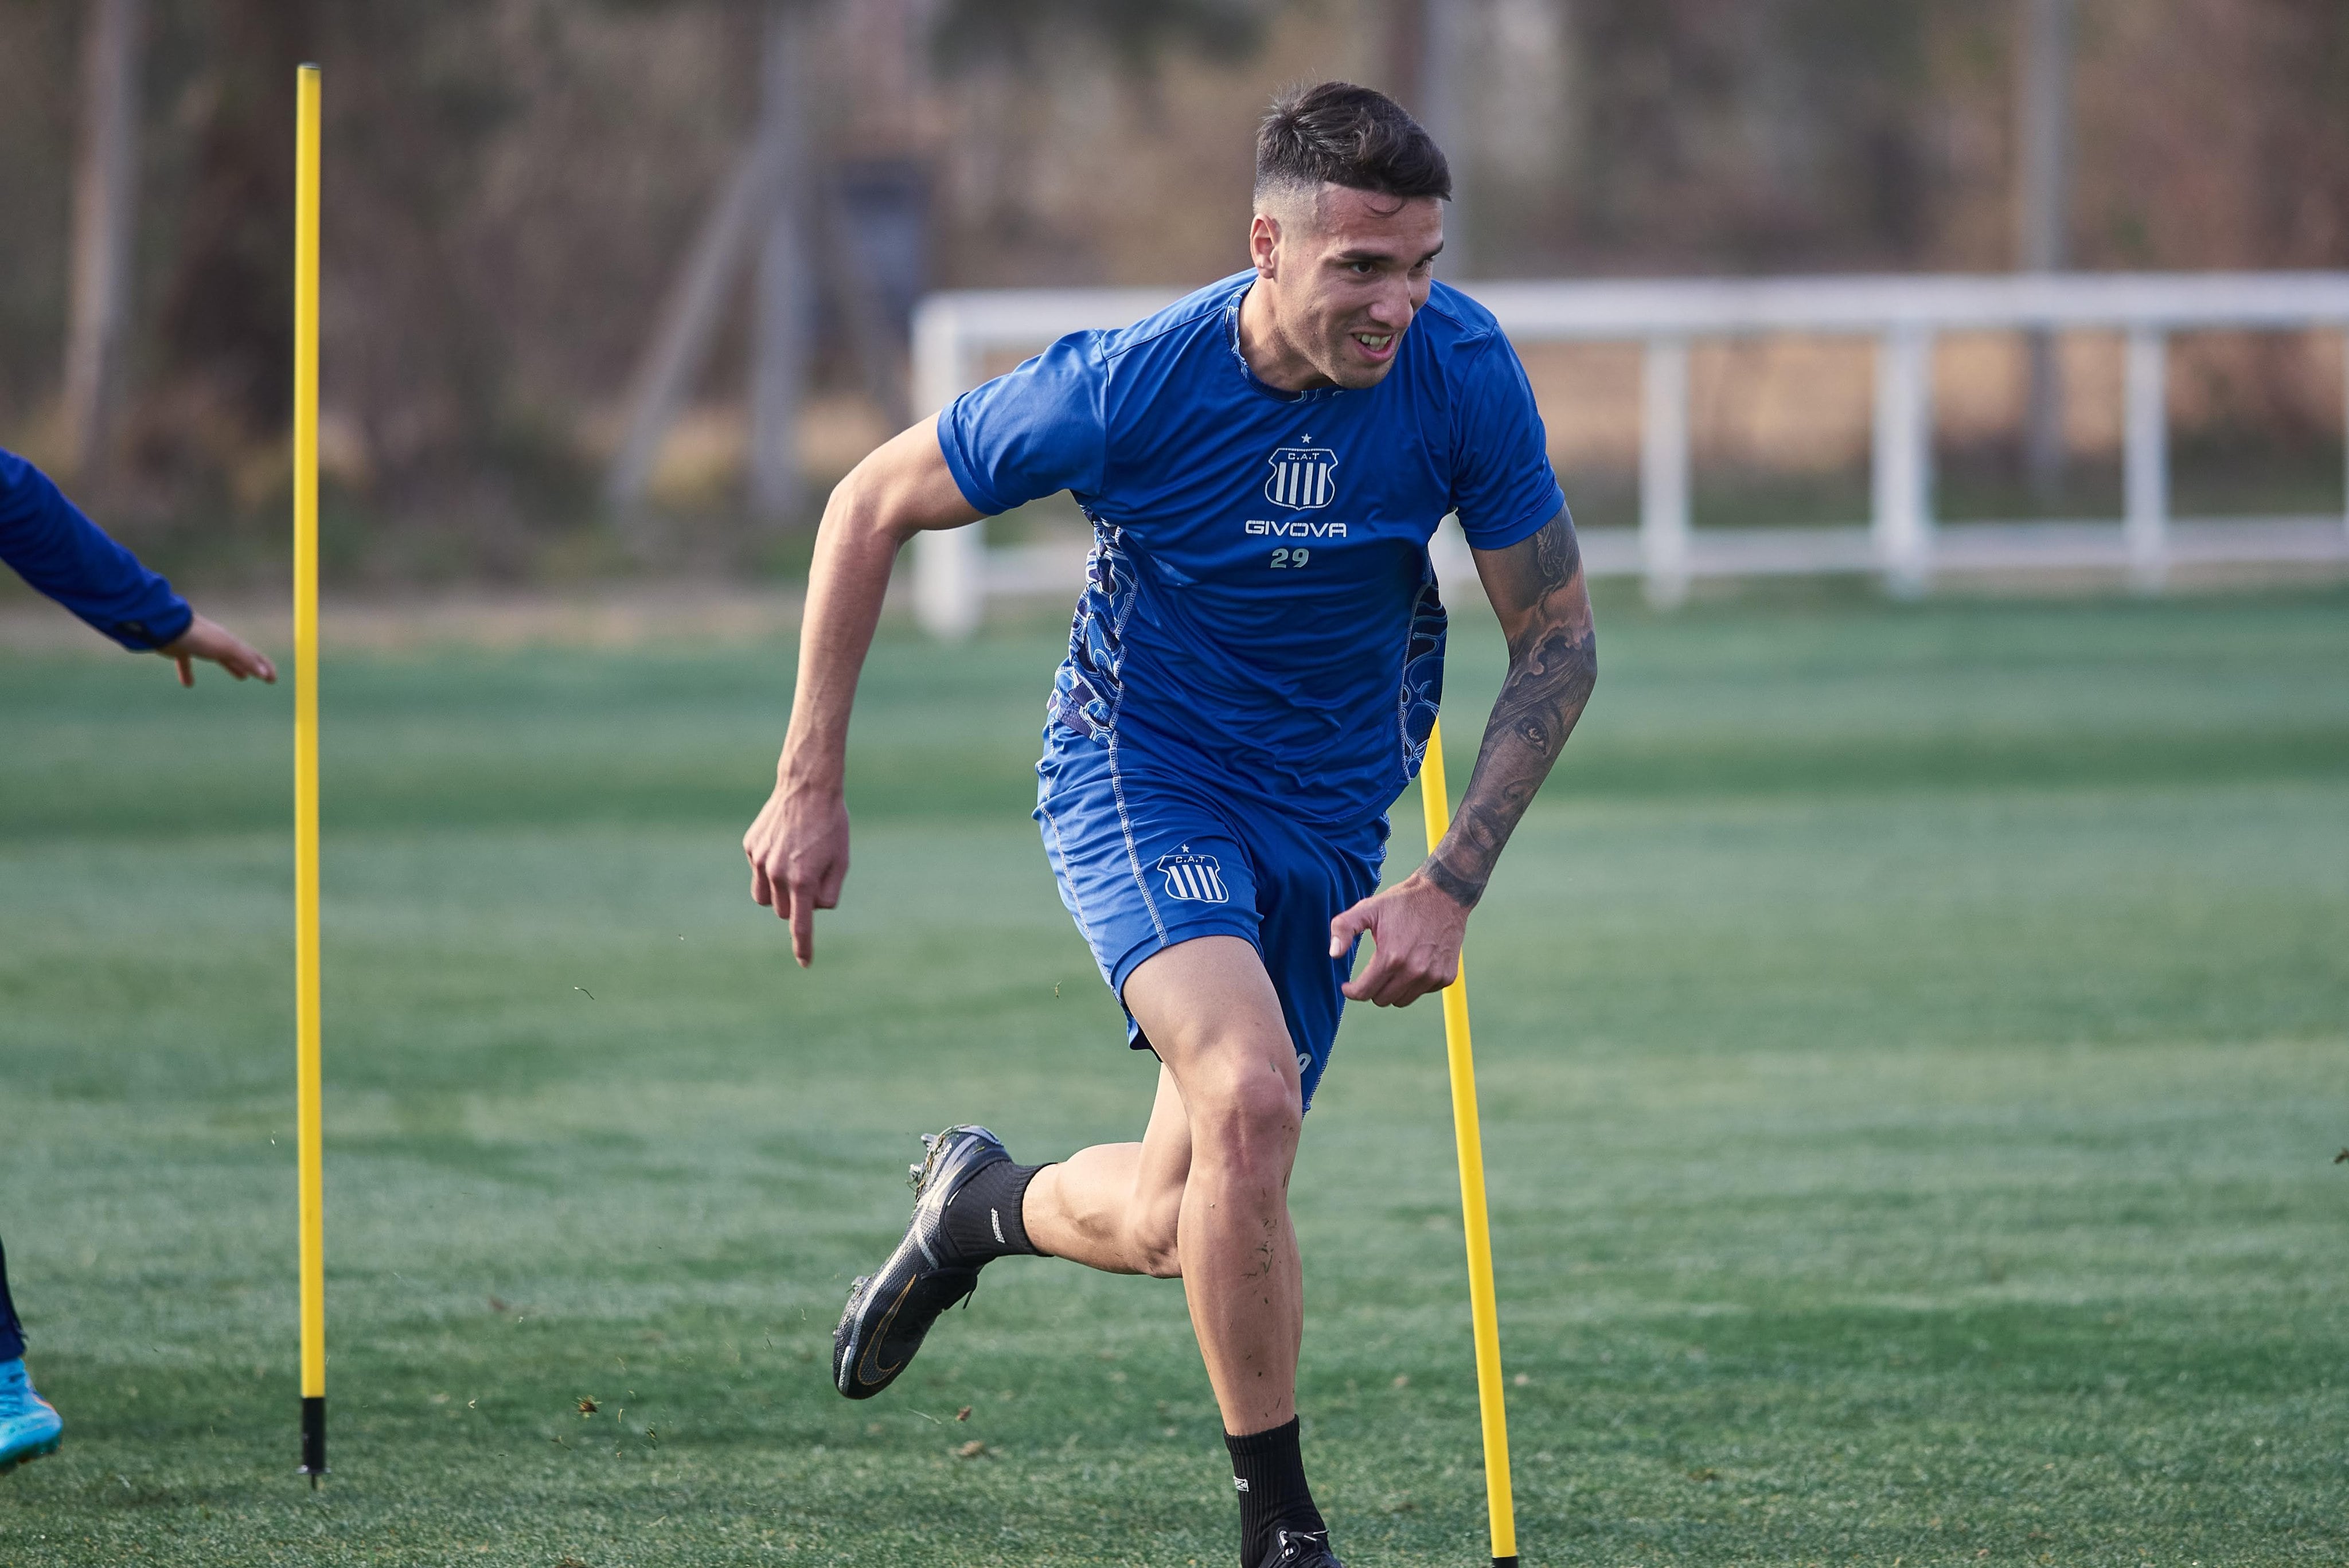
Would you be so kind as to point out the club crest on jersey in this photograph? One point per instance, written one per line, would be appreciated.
(1303, 477)
(1199, 878)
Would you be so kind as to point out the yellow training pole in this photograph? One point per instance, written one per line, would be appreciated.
(305, 773)
(1483, 1314)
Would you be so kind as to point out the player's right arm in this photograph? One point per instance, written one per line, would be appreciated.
(798, 847)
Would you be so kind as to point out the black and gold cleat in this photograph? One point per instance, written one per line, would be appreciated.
(889, 1311)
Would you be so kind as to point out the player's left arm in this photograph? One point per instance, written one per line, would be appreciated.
(1538, 591)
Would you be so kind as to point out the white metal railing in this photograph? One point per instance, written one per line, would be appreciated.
(954, 572)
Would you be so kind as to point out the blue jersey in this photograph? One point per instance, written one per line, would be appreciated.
(65, 555)
(1259, 612)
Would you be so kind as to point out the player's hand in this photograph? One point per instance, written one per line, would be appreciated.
(207, 639)
(798, 850)
(1415, 929)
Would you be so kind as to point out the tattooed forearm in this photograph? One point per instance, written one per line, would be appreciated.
(1460, 889)
(1538, 588)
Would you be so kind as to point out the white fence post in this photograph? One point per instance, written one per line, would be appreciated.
(1903, 465)
(1665, 470)
(949, 566)
(2144, 458)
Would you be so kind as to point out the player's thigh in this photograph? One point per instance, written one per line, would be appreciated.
(1164, 1168)
(1210, 1012)
(1166, 1141)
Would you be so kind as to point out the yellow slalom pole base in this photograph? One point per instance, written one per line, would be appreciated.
(308, 1139)
(1484, 1314)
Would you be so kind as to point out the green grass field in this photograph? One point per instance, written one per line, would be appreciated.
(1914, 1044)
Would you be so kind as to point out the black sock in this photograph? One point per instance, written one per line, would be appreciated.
(982, 1220)
(1269, 1474)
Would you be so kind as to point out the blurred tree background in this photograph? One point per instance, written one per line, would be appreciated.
(513, 187)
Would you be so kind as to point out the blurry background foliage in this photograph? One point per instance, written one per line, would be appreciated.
(512, 184)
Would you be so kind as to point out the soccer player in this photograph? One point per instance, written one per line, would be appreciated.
(49, 541)
(1252, 674)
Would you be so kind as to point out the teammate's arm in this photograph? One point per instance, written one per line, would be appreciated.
(798, 847)
(1538, 591)
(55, 548)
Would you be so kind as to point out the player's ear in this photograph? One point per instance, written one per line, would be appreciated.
(1264, 244)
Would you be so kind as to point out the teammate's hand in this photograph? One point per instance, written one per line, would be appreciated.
(798, 850)
(207, 639)
(1415, 929)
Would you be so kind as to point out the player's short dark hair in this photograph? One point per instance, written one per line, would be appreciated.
(1340, 134)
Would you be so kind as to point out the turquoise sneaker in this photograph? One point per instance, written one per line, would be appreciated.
(29, 1425)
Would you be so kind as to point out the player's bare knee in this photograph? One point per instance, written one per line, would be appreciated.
(1248, 1122)
(1150, 1221)
(1152, 1240)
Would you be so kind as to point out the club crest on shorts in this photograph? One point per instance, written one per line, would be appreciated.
(1303, 477)
(1199, 878)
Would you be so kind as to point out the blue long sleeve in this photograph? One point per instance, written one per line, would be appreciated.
(70, 558)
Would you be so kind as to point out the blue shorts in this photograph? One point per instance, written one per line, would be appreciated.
(1147, 860)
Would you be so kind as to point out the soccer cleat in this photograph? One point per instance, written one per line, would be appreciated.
(29, 1425)
(1300, 1549)
(889, 1311)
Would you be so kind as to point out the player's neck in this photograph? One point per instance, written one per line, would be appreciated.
(1271, 356)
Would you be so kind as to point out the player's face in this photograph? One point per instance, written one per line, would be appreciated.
(1352, 275)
